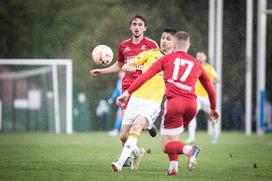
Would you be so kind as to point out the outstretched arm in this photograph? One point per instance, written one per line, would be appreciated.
(113, 68)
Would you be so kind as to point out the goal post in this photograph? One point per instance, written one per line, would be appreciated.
(36, 94)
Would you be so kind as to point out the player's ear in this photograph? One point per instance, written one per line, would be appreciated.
(145, 28)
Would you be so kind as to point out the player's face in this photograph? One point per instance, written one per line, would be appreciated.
(166, 42)
(137, 27)
(201, 57)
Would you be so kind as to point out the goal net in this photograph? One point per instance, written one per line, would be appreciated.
(36, 95)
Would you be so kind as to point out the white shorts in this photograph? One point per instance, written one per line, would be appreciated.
(174, 131)
(146, 108)
(203, 103)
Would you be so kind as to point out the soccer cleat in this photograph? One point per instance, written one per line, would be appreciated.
(172, 172)
(135, 162)
(127, 162)
(153, 130)
(192, 157)
(116, 167)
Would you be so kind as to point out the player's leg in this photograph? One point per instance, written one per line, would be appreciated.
(136, 129)
(181, 111)
(213, 128)
(193, 125)
(173, 157)
(128, 117)
(131, 145)
(147, 113)
(152, 130)
(191, 131)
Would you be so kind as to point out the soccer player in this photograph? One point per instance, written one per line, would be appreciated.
(181, 71)
(144, 105)
(203, 101)
(127, 50)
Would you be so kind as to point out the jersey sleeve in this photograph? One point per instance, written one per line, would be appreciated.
(213, 73)
(205, 81)
(153, 70)
(120, 55)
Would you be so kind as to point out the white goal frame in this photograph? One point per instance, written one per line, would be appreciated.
(69, 86)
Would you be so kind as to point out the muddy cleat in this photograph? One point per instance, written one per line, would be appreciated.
(116, 167)
(135, 162)
(192, 157)
(172, 172)
(153, 130)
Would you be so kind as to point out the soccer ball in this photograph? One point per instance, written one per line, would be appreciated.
(102, 55)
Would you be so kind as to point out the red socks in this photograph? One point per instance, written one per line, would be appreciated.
(173, 148)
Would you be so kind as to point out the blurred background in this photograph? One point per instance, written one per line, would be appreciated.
(70, 29)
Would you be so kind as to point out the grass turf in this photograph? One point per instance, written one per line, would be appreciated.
(48, 156)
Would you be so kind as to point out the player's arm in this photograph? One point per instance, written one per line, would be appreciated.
(140, 59)
(136, 84)
(112, 69)
(214, 77)
(205, 81)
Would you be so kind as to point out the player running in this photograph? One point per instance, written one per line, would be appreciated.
(181, 71)
(203, 101)
(144, 105)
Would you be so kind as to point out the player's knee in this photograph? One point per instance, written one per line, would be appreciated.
(123, 137)
(136, 128)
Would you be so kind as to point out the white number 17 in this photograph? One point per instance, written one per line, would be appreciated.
(181, 62)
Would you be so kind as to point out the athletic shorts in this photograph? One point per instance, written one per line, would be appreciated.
(146, 108)
(203, 103)
(178, 112)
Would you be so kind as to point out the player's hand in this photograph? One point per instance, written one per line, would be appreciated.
(128, 68)
(213, 115)
(121, 100)
(95, 72)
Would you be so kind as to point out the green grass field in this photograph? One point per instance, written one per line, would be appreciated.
(47, 156)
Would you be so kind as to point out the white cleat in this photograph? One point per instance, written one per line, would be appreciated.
(135, 163)
(192, 157)
(116, 167)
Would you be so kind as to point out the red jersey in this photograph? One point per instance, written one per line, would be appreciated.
(127, 50)
(181, 71)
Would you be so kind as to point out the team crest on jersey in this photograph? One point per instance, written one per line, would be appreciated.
(127, 49)
(143, 47)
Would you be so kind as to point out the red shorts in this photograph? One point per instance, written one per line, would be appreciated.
(178, 112)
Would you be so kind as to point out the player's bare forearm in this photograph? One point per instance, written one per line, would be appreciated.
(112, 69)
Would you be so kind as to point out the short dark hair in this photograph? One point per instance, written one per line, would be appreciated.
(172, 31)
(140, 17)
(182, 36)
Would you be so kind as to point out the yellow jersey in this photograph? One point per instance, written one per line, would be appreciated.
(200, 90)
(154, 88)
